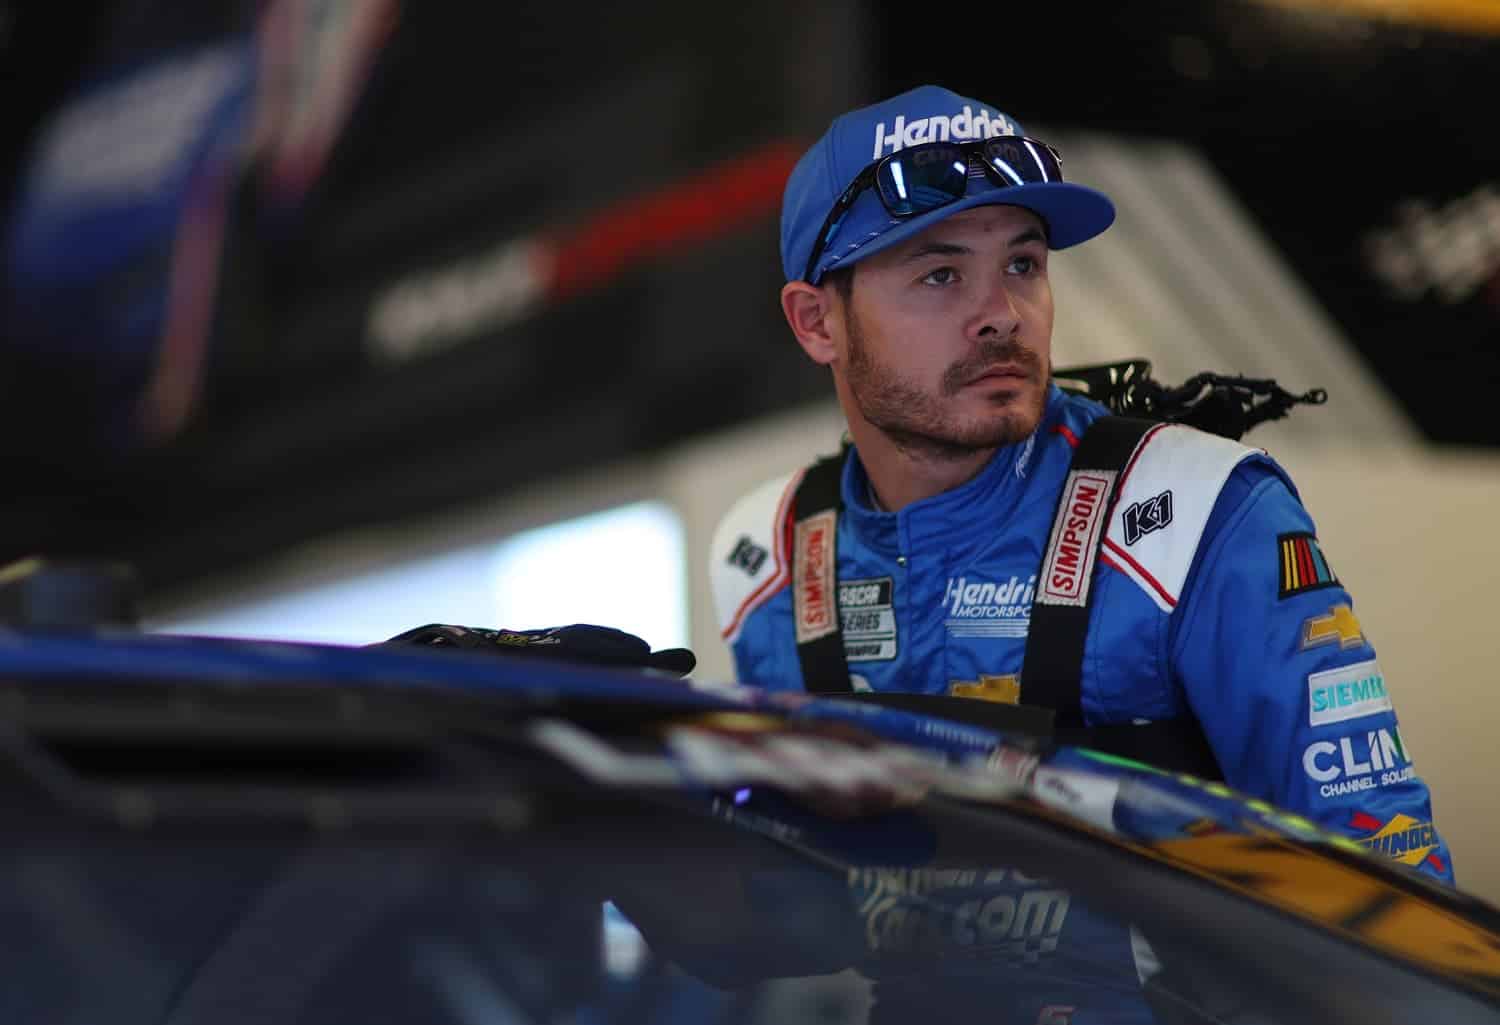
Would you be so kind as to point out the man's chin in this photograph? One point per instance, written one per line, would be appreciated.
(989, 434)
(960, 426)
(1012, 422)
(1010, 433)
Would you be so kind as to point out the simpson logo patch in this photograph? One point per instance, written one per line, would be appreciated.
(1303, 567)
(812, 598)
(1069, 566)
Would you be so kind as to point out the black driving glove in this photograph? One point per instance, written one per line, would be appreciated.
(580, 642)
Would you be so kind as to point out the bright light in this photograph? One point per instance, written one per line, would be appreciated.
(623, 568)
(1041, 164)
(1007, 170)
(624, 947)
(899, 178)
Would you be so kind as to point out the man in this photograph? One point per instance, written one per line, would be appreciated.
(915, 239)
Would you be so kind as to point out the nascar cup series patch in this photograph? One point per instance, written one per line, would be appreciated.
(1303, 567)
(867, 612)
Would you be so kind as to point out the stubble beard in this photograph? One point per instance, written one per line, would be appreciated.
(921, 422)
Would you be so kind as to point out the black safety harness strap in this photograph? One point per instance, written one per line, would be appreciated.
(820, 636)
(1052, 669)
(1052, 672)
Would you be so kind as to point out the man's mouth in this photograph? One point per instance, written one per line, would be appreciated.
(1001, 372)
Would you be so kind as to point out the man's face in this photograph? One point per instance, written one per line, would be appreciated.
(946, 341)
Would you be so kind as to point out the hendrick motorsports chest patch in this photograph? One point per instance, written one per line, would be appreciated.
(1303, 567)
(868, 613)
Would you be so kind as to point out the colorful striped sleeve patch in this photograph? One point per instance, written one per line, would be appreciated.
(1303, 567)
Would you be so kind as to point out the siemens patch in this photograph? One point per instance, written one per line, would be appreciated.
(1347, 693)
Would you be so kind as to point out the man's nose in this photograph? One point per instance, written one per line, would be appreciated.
(997, 313)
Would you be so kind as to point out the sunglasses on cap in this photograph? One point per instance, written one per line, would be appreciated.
(926, 177)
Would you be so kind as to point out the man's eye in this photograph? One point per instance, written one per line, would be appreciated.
(1024, 265)
(941, 276)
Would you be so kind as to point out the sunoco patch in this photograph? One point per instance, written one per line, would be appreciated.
(867, 612)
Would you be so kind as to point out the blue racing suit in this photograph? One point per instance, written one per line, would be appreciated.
(1213, 599)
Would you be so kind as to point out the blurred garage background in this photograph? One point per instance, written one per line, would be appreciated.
(336, 317)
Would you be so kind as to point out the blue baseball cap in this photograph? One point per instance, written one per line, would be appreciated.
(928, 113)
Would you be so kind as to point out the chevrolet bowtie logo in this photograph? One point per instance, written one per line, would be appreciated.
(1340, 624)
(1004, 689)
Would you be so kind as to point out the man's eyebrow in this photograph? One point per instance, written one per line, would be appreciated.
(936, 249)
(954, 249)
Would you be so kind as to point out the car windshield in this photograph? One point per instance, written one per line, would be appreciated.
(601, 922)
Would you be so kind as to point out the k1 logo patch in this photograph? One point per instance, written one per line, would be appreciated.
(1142, 518)
(747, 555)
(1302, 565)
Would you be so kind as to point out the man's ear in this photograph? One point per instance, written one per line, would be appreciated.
(809, 311)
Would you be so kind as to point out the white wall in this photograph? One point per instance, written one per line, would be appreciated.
(453, 564)
(1414, 540)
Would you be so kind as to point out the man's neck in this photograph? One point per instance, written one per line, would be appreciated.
(900, 475)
